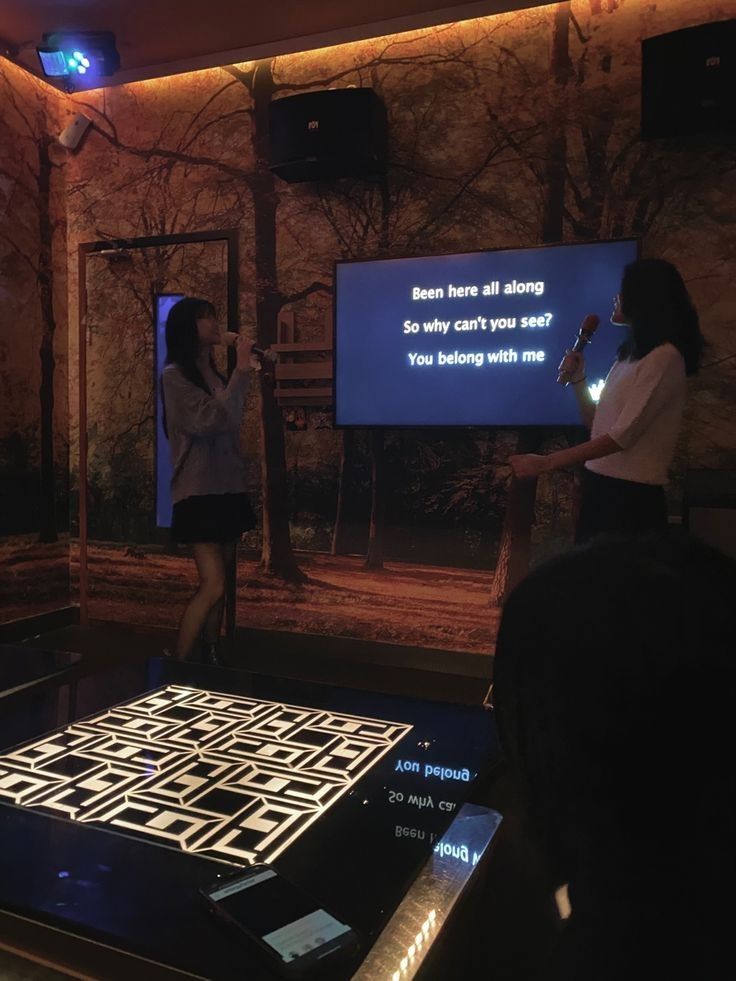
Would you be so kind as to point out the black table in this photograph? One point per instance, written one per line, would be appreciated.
(22, 668)
(375, 821)
(38, 690)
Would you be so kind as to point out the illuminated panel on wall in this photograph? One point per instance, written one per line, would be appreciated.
(227, 777)
(164, 303)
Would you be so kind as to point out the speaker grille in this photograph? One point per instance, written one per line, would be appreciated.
(689, 80)
(326, 135)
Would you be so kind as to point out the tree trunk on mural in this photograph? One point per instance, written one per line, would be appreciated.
(347, 453)
(47, 522)
(277, 557)
(555, 155)
(374, 558)
(376, 535)
(514, 549)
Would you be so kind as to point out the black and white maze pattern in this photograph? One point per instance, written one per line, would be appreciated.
(222, 776)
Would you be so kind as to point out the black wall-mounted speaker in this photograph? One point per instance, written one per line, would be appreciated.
(329, 134)
(689, 81)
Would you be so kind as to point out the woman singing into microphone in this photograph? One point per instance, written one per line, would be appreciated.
(202, 416)
(634, 428)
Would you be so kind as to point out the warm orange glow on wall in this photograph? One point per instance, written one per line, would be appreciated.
(360, 50)
(17, 74)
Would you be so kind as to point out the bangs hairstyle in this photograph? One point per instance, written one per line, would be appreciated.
(655, 301)
(182, 342)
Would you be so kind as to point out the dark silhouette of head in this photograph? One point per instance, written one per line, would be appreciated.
(613, 687)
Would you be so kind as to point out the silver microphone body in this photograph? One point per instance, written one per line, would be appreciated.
(587, 328)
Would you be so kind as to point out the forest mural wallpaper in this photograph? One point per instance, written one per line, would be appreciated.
(34, 385)
(506, 131)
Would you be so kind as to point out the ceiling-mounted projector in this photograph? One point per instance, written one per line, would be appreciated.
(78, 55)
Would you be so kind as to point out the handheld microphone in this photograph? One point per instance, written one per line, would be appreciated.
(230, 338)
(265, 355)
(257, 350)
(587, 328)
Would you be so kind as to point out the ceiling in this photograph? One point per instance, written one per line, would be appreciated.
(165, 37)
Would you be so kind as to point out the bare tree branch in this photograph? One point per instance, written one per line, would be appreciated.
(315, 287)
(205, 105)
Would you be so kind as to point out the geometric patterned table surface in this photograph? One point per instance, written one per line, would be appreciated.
(227, 777)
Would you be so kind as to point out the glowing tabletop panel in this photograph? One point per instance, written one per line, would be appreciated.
(224, 776)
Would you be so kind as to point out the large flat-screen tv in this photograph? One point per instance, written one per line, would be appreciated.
(472, 339)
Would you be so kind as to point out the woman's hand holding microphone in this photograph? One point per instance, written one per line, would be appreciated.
(246, 356)
(571, 369)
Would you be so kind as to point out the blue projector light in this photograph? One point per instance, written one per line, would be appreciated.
(69, 55)
(53, 62)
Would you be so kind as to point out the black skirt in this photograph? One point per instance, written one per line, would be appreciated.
(212, 518)
(610, 506)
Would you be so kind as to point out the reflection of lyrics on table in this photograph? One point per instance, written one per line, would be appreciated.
(224, 776)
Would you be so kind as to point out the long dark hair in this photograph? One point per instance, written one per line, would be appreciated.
(655, 301)
(182, 342)
(593, 724)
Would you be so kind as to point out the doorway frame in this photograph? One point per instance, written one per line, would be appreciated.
(231, 236)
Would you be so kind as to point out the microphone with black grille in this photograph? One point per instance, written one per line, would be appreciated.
(230, 338)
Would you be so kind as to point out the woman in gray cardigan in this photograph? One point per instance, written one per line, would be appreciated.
(202, 417)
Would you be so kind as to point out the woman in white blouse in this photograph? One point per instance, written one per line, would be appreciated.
(634, 427)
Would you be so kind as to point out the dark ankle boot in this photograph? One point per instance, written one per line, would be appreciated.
(209, 652)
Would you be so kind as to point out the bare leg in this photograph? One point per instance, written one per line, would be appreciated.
(211, 570)
(213, 624)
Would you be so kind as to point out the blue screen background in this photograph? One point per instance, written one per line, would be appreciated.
(377, 386)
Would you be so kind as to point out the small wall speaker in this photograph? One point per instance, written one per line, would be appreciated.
(688, 81)
(329, 134)
(71, 135)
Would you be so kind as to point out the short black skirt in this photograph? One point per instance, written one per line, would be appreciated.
(610, 506)
(212, 518)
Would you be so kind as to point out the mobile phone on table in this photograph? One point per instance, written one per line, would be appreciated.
(299, 937)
